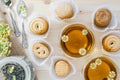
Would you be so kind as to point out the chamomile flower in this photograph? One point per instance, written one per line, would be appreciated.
(22, 9)
(112, 74)
(84, 32)
(5, 44)
(82, 51)
(11, 69)
(14, 77)
(110, 78)
(98, 61)
(65, 38)
(93, 66)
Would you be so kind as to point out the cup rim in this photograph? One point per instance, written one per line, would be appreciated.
(91, 32)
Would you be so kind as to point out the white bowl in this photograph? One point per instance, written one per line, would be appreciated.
(56, 3)
(51, 70)
(37, 61)
(113, 23)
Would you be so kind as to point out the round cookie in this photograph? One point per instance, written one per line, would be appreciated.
(40, 50)
(39, 26)
(111, 43)
(62, 68)
(64, 10)
(102, 18)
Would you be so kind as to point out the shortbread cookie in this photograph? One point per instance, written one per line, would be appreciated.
(39, 26)
(62, 68)
(111, 43)
(102, 18)
(64, 10)
(40, 50)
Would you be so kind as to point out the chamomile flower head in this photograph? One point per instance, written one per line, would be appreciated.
(98, 61)
(84, 32)
(65, 38)
(110, 78)
(112, 74)
(22, 9)
(82, 51)
(93, 66)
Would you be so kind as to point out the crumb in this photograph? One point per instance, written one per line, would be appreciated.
(4, 13)
(47, 1)
(80, 11)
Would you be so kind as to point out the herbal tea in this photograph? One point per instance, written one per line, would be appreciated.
(100, 69)
(77, 40)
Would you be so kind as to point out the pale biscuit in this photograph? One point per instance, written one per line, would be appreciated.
(64, 10)
(62, 68)
(40, 50)
(111, 43)
(39, 26)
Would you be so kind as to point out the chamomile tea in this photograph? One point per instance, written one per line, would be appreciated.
(77, 40)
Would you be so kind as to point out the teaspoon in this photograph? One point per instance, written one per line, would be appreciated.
(22, 12)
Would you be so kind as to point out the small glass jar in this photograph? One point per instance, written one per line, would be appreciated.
(23, 62)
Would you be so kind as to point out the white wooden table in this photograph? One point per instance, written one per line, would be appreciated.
(86, 8)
